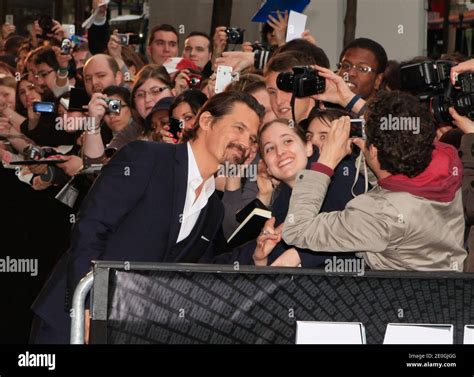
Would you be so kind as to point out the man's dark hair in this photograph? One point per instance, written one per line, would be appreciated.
(371, 45)
(285, 61)
(391, 77)
(309, 48)
(194, 98)
(248, 83)
(201, 34)
(162, 27)
(47, 56)
(222, 104)
(13, 43)
(400, 151)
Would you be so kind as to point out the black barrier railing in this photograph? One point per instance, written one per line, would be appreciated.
(213, 304)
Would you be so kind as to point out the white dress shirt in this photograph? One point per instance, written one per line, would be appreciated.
(193, 207)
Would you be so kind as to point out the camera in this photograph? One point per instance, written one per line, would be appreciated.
(461, 99)
(113, 105)
(46, 24)
(194, 81)
(66, 46)
(44, 107)
(303, 82)
(34, 152)
(235, 35)
(430, 81)
(129, 39)
(425, 76)
(357, 129)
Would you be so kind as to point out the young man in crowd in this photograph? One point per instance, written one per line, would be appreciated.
(417, 180)
(197, 48)
(163, 43)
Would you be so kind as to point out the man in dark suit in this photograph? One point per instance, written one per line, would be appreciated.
(153, 202)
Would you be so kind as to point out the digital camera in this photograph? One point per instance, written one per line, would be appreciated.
(66, 46)
(235, 35)
(303, 82)
(113, 105)
(430, 82)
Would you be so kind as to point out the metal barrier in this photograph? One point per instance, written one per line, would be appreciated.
(78, 308)
(213, 304)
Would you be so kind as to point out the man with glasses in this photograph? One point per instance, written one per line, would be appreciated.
(362, 64)
(51, 71)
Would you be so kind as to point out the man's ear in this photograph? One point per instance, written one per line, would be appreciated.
(119, 78)
(378, 81)
(205, 120)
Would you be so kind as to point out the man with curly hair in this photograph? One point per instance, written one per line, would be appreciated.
(412, 220)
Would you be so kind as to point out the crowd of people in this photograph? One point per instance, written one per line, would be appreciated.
(137, 171)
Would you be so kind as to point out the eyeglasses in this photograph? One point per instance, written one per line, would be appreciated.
(153, 92)
(346, 66)
(42, 74)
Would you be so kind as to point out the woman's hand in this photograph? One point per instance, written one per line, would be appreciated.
(279, 26)
(264, 183)
(181, 82)
(266, 241)
(337, 91)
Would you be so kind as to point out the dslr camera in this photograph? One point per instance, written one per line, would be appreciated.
(45, 22)
(302, 82)
(235, 35)
(113, 105)
(430, 81)
(66, 47)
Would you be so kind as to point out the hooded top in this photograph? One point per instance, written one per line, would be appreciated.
(439, 181)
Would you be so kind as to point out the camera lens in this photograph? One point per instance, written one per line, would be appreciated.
(285, 81)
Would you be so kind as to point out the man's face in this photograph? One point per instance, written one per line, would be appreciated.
(229, 138)
(164, 46)
(80, 58)
(280, 100)
(98, 75)
(365, 84)
(263, 99)
(45, 78)
(196, 49)
(8, 95)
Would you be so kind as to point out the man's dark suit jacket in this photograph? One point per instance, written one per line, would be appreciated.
(132, 213)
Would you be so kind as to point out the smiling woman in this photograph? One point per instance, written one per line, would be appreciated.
(284, 149)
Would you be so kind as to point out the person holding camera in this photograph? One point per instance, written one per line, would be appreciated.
(416, 176)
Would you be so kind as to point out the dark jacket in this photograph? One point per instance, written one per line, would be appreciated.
(467, 158)
(131, 214)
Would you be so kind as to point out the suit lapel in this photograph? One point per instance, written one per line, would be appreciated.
(179, 188)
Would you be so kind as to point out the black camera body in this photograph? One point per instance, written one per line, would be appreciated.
(430, 81)
(66, 47)
(45, 22)
(303, 82)
(235, 35)
(113, 105)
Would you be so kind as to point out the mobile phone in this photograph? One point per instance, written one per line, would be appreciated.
(223, 78)
(78, 99)
(9, 19)
(176, 125)
(70, 29)
(44, 107)
(357, 128)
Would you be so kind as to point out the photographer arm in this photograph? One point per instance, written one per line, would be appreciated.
(363, 225)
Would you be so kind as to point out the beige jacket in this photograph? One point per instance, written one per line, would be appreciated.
(393, 230)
